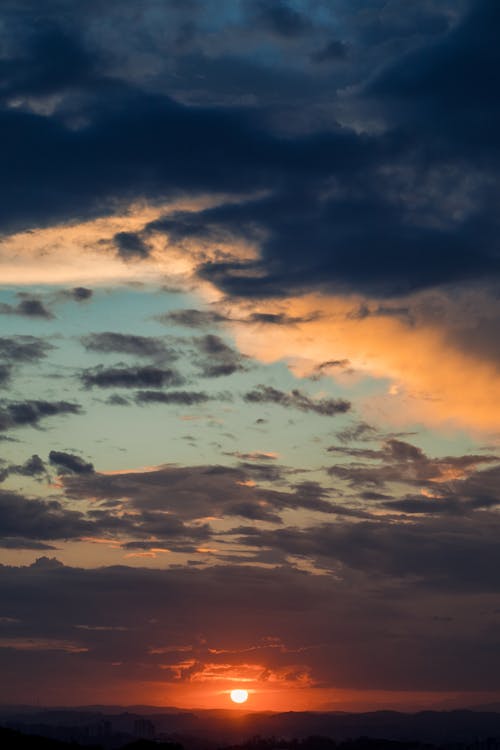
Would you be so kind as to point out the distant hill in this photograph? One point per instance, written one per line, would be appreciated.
(13, 740)
(204, 730)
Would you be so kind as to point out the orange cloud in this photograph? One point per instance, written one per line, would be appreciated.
(430, 380)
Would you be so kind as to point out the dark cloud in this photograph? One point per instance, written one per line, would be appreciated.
(32, 467)
(52, 61)
(280, 18)
(343, 210)
(38, 520)
(69, 463)
(385, 210)
(262, 472)
(451, 82)
(5, 375)
(184, 398)
(278, 319)
(130, 246)
(19, 349)
(325, 368)
(124, 343)
(79, 293)
(436, 553)
(197, 492)
(130, 377)
(333, 51)
(24, 348)
(399, 461)
(280, 621)
(359, 431)
(192, 318)
(296, 399)
(205, 318)
(29, 308)
(30, 413)
(116, 400)
(218, 358)
(27, 523)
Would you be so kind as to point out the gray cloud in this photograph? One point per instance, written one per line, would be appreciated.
(69, 463)
(197, 492)
(30, 413)
(122, 343)
(218, 359)
(5, 375)
(26, 523)
(399, 461)
(28, 308)
(24, 348)
(130, 377)
(192, 318)
(184, 398)
(32, 467)
(296, 399)
(433, 553)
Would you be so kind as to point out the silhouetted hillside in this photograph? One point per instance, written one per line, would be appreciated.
(209, 730)
(10, 739)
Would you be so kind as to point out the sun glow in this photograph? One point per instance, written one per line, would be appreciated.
(239, 696)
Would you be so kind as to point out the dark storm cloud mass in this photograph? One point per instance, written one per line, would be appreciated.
(386, 213)
(296, 399)
(279, 17)
(30, 413)
(333, 51)
(130, 377)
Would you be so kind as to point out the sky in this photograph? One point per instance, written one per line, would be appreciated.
(249, 353)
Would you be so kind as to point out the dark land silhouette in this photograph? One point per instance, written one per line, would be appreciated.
(111, 728)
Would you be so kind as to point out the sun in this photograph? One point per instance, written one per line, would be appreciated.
(239, 696)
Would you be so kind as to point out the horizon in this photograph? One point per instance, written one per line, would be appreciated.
(249, 354)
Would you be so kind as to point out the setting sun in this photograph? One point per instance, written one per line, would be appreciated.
(239, 696)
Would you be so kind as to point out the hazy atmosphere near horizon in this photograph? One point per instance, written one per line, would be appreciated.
(250, 353)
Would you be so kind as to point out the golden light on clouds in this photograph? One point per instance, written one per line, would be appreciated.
(85, 253)
(427, 376)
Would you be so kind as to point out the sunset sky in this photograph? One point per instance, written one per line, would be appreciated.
(250, 353)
